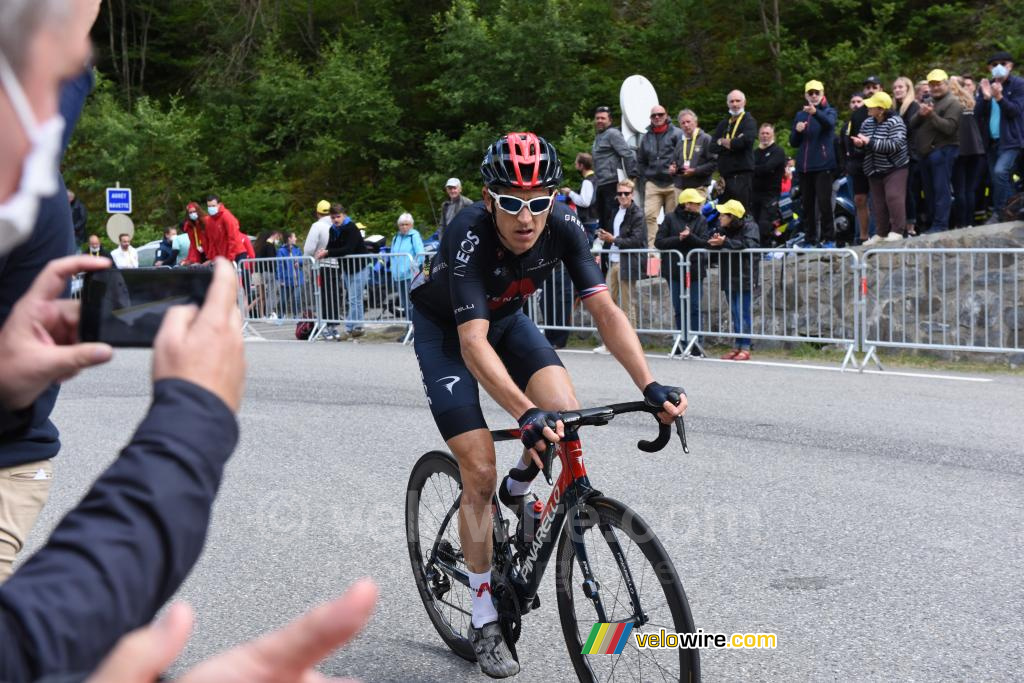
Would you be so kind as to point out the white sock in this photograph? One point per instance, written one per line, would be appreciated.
(520, 488)
(480, 592)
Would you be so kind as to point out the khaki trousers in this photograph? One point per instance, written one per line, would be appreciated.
(621, 291)
(655, 199)
(23, 492)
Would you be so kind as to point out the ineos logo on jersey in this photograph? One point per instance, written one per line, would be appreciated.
(451, 379)
(466, 249)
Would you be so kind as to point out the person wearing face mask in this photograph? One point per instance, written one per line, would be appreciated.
(94, 247)
(223, 233)
(734, 142)
(682, 230)
(194, 227)
(1000, 113)
(812, 135)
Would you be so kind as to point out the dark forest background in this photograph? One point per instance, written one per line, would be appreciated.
(275, 104)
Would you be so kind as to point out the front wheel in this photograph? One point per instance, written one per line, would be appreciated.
(621, 551)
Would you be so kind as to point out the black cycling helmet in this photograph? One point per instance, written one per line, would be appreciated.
(521, 160)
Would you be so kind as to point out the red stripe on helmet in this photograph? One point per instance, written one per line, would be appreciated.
(523, 148)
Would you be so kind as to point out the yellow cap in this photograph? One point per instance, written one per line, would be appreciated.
(690, 196)
(733, 208)
(814, 85)
(323, 206)
(937, 75)
(880, 100)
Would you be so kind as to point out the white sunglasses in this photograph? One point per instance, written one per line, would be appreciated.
(513, 205)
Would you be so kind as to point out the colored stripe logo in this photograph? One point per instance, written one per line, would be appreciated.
(607, 639)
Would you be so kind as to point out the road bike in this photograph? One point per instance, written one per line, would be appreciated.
(609, 568)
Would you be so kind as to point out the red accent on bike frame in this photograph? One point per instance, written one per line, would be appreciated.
(523, 148)
(571, 455)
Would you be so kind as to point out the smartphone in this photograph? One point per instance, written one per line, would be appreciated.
(126, 307)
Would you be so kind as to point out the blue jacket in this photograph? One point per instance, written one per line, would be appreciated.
(412, 244)
(289, 273)
(118, 556)
(29, 435)
(816, 145)
(1011, 114)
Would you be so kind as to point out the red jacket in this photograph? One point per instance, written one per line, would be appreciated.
(196, 232)
(223, 235)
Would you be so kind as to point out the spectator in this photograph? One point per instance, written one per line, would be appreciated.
(683, 230)
(166, 254)
(738, 274)
(854, 163)
(611, 155)
(79, 217)
(42, 44)
(1001, 110)
(884, 139)
(224, 235)
(194, 226)
(812, 135)
(735, 138)
(907, 107)
(627, 233)
(407, 241)
(125, 256)
(347, 240)
(937, 140)
(586, 207)
(95, 247)
(769, 168)
(969, 166)
(320, 231)
(787, 177)
(654, 161)
(921, 91)
(455, 203)
(694, 161)
(291, 276)
(264, 271)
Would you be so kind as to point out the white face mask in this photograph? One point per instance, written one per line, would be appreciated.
(39, 170)
(1000, 71)
(193, 216)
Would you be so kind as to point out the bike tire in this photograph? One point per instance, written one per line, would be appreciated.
(439, 471)
(646, 560)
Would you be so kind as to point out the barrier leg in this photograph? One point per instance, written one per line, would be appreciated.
(872, 355)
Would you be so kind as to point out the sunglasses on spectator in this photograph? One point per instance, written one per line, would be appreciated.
(813, 92)
(623, 194)
(602, 110)
(513, 205)
(658, 114)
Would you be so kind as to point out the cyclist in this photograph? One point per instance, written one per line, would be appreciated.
(470, 329)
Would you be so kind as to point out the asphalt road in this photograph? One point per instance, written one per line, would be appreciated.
(873, 522)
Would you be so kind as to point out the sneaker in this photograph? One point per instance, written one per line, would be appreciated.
(355, 332)
(330, 333)
(828, 245)
(492, 653)
(873, 241)
(893, 237)
(731, 355)
(804, 244)
(601, 349)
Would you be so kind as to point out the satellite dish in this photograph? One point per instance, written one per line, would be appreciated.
(636, 97)
(119, 224)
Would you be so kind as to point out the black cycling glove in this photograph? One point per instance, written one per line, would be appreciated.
(656, 394)
(532, 424)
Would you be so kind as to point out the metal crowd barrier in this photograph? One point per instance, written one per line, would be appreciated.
(366, 289)
(771, 294)
(653, 304)
(279, 290)
(943, 299)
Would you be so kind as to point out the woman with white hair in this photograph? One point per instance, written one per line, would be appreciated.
(406, 241)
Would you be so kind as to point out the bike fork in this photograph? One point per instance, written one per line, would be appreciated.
(591, 587)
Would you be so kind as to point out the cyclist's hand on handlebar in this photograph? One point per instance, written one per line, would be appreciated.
(671, 400)
(538, 428)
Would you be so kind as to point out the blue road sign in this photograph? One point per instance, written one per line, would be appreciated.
(119, 200)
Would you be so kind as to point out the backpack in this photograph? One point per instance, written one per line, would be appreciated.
(1014, 210)
(305, 328)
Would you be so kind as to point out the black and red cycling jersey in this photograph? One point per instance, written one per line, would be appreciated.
(473, 276)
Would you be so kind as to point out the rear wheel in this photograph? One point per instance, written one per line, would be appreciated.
(431, 516)
(611, 533)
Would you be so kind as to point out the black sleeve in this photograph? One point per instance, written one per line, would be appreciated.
(464, 247)
(118, 556)
(579, 261)
(667, 237)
